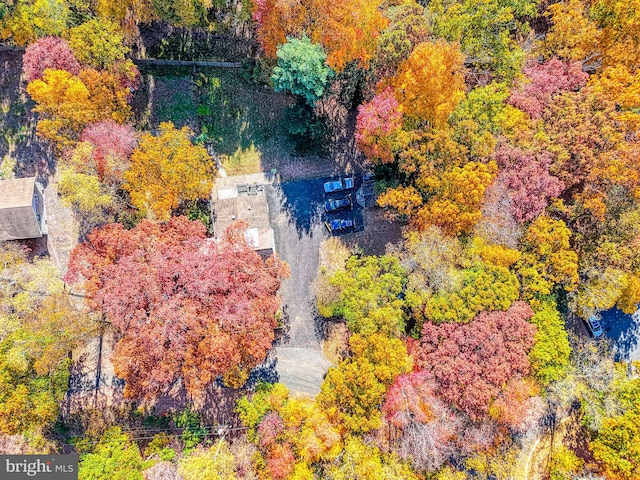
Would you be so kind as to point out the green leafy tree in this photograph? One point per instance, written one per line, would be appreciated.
(369, 297)
(97, 43)
(549, 356)
(301, 69)
(408, 26)
(114, 457)
(193, 432)
(482, 287)
(485, 31)
(547, 259)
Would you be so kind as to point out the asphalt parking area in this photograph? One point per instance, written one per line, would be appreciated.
(297, 217)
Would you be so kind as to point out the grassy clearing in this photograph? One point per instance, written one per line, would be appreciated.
(235, 114)
(245, 120)
(173, 101)
(242, 161)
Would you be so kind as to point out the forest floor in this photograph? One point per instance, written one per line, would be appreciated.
(568, 432)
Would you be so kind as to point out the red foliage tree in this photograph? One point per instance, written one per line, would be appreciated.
(378, 121)
(112, 146)
(527, 178)
(182, 306)
(48, 52)
(471, 362)
(546, 80)
(270, 428)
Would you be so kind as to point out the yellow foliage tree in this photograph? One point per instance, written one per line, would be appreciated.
(29, 20)
(622, 85)
(38, 329)
(547, 258)
(405, 201)
(68, 103)
(430, 83)
(497, 255)
(360, 461)
(592, 30)
(64, 103)
(353, 392)
(455, 205)
(573, 34)
(167, 170)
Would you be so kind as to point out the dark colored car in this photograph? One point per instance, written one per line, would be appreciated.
(340, 224)
(338, 185)
(338, 203)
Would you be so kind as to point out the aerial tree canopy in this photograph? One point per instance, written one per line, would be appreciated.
(472, 363)
(39, 329)
(485, 31)
(378, 124)
(183, 307)
(430, 82)
(166, 170)
(48, 52)
(347, 30)
(369, 290)
(301, 69)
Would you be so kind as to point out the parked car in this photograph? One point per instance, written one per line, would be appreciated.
(340, 224)
(595, 326)
(338, 185)
(338, 204)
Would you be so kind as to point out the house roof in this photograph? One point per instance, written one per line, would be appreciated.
(254, 211)
(16, 192)
(18, 219)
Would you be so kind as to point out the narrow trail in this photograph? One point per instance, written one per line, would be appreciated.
(533, 449)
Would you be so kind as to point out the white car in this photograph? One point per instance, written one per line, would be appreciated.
(594, 324)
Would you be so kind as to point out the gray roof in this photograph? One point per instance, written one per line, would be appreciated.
(17, 217)
(16, 192)
(253, 210)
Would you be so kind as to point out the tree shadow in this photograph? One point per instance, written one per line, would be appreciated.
(18, 140)
(624, 330)
(303, 203)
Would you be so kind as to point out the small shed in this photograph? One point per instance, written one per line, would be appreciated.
(22, 210)
(252, 209)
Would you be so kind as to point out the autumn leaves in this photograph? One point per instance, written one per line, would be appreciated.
(182, 306)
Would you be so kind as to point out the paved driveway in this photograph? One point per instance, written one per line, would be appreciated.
(297, 216)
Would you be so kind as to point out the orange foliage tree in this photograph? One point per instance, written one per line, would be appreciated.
(430, 83)
(348, 31)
